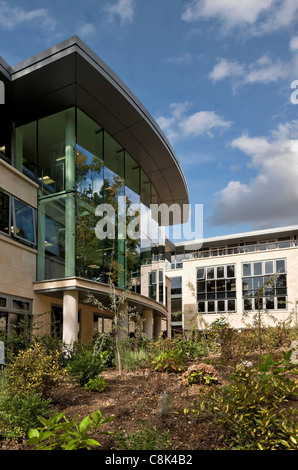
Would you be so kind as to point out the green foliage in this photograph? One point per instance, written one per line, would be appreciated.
(251, 409)
(34, 370)
(169, 361)
(85, 365)
(59, 433)
(144, 439)
(201, 374)
(98, 384)
(105, 342)
(19, 412)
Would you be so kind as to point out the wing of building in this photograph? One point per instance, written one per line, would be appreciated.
(80, 160)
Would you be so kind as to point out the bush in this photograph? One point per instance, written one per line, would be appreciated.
(251, 409)
(200, 374)
(19, 412)
(34, 370)
(85, 365)
(58, 433)
(169, 361)
(99, 384)
(144, 439)
(134, 359)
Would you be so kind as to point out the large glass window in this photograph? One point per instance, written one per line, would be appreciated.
(266, 281)
(25, 149)
(216, 289)
(23, 221)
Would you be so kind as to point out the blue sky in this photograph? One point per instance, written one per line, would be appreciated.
(215, 74)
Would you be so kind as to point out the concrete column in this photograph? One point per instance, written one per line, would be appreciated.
(157, 327)
(70, 317)
(147, 328)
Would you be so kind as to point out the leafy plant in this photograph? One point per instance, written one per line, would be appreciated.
(85, 365)
(99, 384)
(34, 370)
(58, 433)
(144, 439)
(251, 409)
(19, 412)
(169, 361)
(200, 374)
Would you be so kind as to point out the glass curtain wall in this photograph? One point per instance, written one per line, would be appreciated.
(94, 219)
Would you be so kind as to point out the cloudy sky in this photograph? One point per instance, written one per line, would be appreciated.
(215, 74)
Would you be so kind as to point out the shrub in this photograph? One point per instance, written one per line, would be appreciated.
(144, 439)
(85, 365)
(251, 409)
(19, 412)
(200, 374)
(58, 433)
(169, 361)
(34, 370)
(134, 359)
(99, 384)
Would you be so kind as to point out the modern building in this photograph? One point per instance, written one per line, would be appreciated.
(74, 142)
(233, 277)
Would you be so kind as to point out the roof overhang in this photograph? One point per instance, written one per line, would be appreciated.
(69, 74)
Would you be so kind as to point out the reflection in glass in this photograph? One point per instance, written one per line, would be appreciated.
(24, 221)
(25, 149)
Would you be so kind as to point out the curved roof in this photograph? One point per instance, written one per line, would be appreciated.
(71, 73)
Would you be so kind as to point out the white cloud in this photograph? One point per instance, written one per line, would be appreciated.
(180, 125)
(183, 59)
(123, 10)
(13, 17)
(264, 70)
(271, 198)
(86, 29)
(294, 43)
(259, 16)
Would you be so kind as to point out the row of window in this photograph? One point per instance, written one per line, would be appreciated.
(155, 281)
(264, 286)
(17, 219)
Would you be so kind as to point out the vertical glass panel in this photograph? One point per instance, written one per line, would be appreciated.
(56, 238)
(4, 213)
(113, 155)
(257, 269)
(246, 269)
(281, 302)
(221, 305)
(23, 222)
(25, 149)
(90, 249)
(132, 174)
(210, 273)
(220, 272)
(201, 307)
(268, 267)
(56, 152)
(133, 242)
(247, 304)
(280, 266)
(145, 189)
(211, 307)
(231, 305)
(200, 273)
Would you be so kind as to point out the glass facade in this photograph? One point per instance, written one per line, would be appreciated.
(94, 219)
(216, 289)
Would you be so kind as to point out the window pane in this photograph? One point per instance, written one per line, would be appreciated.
(201, 286)
(280, 266)
(220, 272)
(221, 306)
(24, 223)
(246, 270)
(25, 149)
(257, 269)
(4, 213)
(247, 304)
(281, 302)
(268, 267)
(56, 152)
(201, 307)
(200, 273)
(231, 305)
(270, 303)
(211, 307)
(210, 273)
(231, 271)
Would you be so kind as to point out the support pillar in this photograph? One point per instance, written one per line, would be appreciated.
(157, 327)
(147, 328)
(70, 317)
